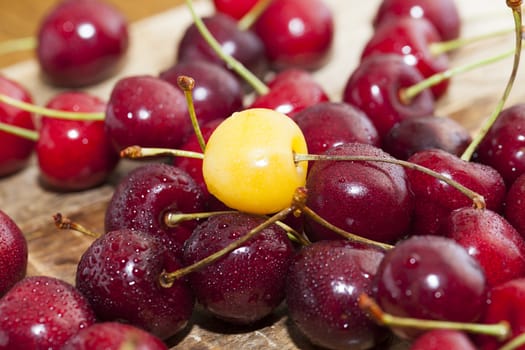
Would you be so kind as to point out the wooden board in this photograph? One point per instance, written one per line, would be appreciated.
(471, 98)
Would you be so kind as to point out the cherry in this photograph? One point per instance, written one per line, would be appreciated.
(515, 204)
(360, 186)
(243, 45)
(14, 151)
(443, 14)
(247, 284)
(375, 85)
(13, 253)
(296, 33)
(413, 135)
(217, 92)
(324, 282)
(410, 38)
(234, 8)
(74, 154)
(119, 275)
(436, 200)
(113, 335)
(146, 111)
(443, 339)
(491, 240)
(81, 42)
(502, 147)
(430, 277)
(146, 194)
(42, 312)
(329, 124)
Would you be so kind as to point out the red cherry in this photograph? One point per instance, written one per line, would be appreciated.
(81, 42)
(296, 33)
(515, 204)
(440, 339)
(13, 253)
(14, 150)
(234, 8)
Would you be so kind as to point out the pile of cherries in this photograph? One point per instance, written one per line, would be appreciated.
(391, 231)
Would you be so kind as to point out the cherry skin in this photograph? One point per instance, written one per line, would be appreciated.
(42, 312)
(234, 8)
(13, 253)
(296, 33)
(413, 135)
(410, 38)
(146, 111)
(436, 200)
(443, 14)
(291, 91)
(375, 85)
(324, 283)
(430, 277)
(491, 240)
(247, 284)
(119, 275)
(113, 335)
(502, 147)
(74, 155)
(146, 194)
(330, 124)
(439, 339)
(515, 205)
(217, 93)
(360, 186)
(14, 150)
(81, 42)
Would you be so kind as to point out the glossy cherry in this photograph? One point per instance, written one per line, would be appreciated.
(296, 33)
(515, 204)
(81, 42)
(234, 8)
(13, 253)
(14, 151)
(443, 339)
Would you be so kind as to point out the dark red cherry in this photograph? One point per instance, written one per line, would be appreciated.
(243, 45)
(81, 42)
(324, 283)
(296, 33)
(247, 284)
(375, 86)
(42, 312)
(430, 277)
(13, 253)
(119, 275)
(416, 134)
(411, 38)
(217, 93)
(234, 8)
(443, 14)
(144, 195)
(74, 154)
(291, 91)
(329, 124)
(147, 111)
(14, 150)
(435, 200)
(344, 193)
(502, 147)
(515, 204)
(439, 339)
(113, 335)
(491, 240)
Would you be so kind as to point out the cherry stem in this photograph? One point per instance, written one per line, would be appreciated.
(407, 94)
(18, 131)
(255, 12)
(187, 85)
(515, 5)
(477, 199)
(16, 45)
(65, 223)
(233, 64)
(54, 113)
(134, 152)
(500, 330)
(514, 343)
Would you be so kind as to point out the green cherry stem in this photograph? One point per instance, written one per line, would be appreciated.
(18, 131)
(234, 64)
(499, 330)
(135, 152)
(187, 85)
(514, 343)
(477, 199)
(50, 112)
(515, 5)
(15, 45)
(249, 19)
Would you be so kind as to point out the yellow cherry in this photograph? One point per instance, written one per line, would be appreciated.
(249, 161)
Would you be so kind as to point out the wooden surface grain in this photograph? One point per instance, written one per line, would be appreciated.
(471, 98)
